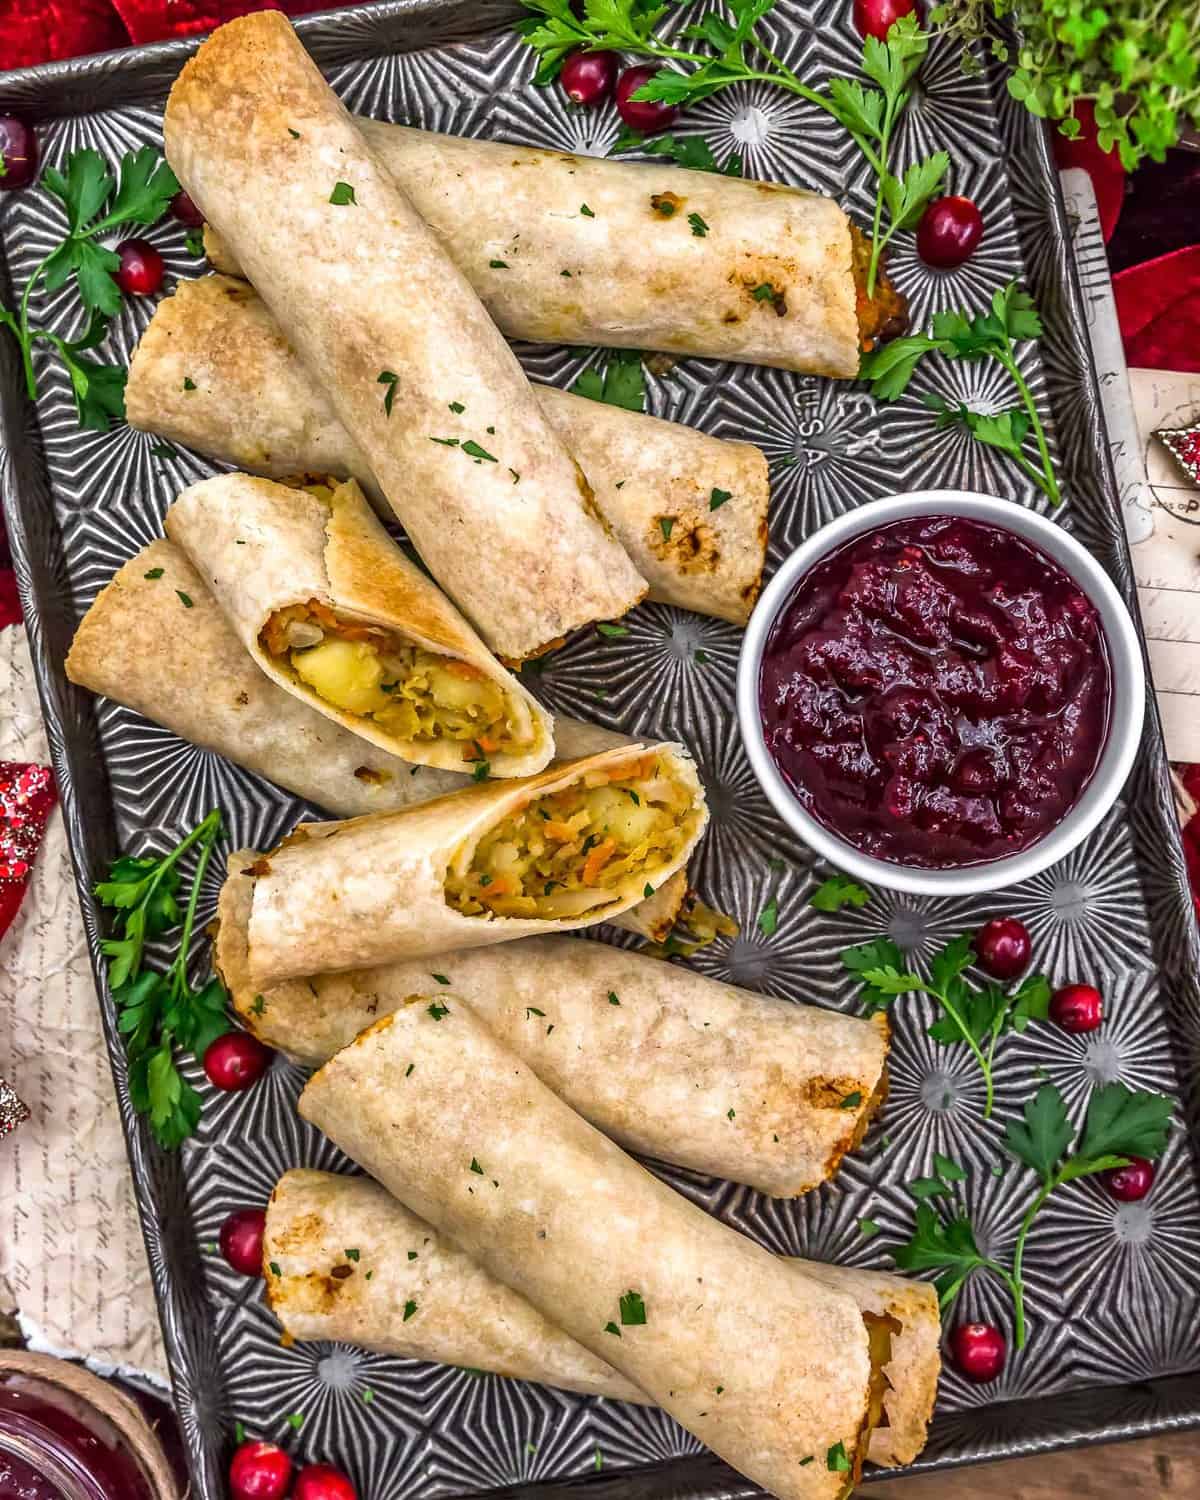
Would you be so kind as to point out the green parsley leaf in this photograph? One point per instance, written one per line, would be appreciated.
(1043, 1135)
(188, 383)
(909, 196)
(616, 378)
(457, 407)
(836, 1461)
(851, 1101)
(437, 1011)
(768, 918)
(586, 211)
(352, 1255)
(185, 599)
(410, 1308)
(612, 998)
(699, 227)
(239, 1432)
(605, 628)
(532, 1010)
(1122, 1122)
(498, 265)
(153, 573)
(868, 1228)
(633, 1310)
(718, 498)
(295, 1420)
(441, 978)
(665, 525)
(342, 194)
(391, 380)
(472, 449)
(475, 1167)
(839, 891)
(612, 1328)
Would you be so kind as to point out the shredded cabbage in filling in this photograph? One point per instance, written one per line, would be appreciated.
(578, 849)
(373, 673)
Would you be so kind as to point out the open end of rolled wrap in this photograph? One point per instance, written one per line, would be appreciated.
(602, 840)
(884, 315)
(881, 1330)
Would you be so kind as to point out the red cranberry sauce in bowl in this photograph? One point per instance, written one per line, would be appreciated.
(937, 692)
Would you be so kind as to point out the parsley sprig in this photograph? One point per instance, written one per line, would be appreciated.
(96, 203)
(738, 54)
(1120, 1123)
(978, 1015)
(994, 334)
(158, 1012)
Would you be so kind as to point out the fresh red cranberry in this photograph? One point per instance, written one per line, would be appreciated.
(1130, 1184)
(241, 1240)
(588, 77)
(1077, 1007)
(140, 273)
(18, 153)
(1002, 947)
(259, 1471)
(876, 17)
(642, 114)
(978, 1350)
(183, 209)
(949, 232)
(236, 1061)
(323, 1482)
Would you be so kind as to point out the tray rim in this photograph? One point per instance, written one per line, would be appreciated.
(22, 471)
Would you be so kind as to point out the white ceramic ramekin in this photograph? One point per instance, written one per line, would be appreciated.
(1127, 708)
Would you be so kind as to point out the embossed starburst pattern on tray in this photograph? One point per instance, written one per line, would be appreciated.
(1112, 1288)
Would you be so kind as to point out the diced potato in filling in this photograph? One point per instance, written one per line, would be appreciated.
(577, 850)
(407, 691)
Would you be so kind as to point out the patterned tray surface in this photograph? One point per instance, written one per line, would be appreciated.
(1111, 1289)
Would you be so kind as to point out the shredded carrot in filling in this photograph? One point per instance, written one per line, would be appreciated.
(578, 849)
(373, 673)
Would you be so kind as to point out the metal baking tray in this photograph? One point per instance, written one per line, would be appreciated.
(1114, 1350)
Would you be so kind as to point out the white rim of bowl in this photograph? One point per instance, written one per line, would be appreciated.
(1126, 706)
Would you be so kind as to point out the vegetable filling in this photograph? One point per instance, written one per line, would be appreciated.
(573, 851)
(410, 693)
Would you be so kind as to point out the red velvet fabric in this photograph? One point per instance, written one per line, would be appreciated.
(1158, 304)
(33, 31)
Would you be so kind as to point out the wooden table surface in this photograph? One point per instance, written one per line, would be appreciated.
(1152, 1469)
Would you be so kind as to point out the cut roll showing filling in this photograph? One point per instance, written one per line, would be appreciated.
(579, 843)
(333, 612)
(577, 850)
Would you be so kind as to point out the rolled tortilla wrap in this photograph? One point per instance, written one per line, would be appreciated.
(214, 371)
(462, 1315)
(766, 1367)
(469, 1318)
(577, 844)
(802, 1083)
(666, 258)
(190, 674)
(499, 510)
(332, 611)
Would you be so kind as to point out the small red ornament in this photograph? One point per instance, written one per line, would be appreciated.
(1183, 444)
(27, 795)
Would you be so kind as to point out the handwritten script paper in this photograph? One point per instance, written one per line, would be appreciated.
(1160, 508)
(72, 1250)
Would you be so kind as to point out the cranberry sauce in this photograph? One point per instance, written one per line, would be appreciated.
(937, 692)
